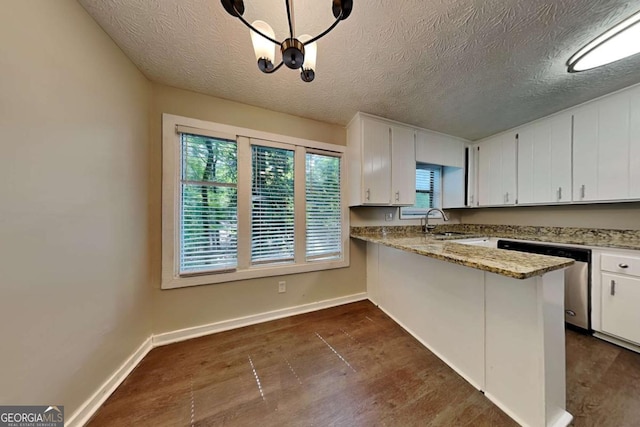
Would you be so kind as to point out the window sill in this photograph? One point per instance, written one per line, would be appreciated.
(251, 273)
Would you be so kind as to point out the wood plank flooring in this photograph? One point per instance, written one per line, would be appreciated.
(345, 366)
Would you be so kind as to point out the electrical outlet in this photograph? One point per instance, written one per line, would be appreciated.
(282, 287)
(388, 216)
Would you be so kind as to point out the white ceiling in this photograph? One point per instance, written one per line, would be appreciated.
(468, 68)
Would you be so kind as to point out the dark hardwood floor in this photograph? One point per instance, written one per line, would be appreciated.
(345, 366)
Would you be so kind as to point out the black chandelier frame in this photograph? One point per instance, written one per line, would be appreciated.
(291, 48)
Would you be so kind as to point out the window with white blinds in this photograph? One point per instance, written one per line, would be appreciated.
(323, 213)
(208, 220)
(428, 191)
(272, 205)
(241, 204)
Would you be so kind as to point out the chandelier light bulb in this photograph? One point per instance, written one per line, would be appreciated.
(263, 48)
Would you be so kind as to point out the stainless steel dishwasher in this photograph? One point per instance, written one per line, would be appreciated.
(577, 278)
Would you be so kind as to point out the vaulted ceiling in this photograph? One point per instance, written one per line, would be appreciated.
(469, 68)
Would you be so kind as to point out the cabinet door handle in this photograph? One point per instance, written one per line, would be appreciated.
(559, 193)
(397, 196)
(613, 287)
(471, 200)
(507, 197)
(368, 194)
(623, 265)
(582, 191)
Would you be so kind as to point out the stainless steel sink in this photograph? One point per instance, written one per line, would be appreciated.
(447, 234)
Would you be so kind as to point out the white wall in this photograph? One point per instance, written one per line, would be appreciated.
(74, 265)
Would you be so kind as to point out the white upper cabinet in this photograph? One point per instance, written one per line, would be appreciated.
(497, 170)
(403, 170)
(634, 143)
(381, 162)
(605, 137)
(376, 162)
(439, 149)
(544, 161)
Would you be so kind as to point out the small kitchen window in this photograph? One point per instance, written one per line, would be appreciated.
(428, 192)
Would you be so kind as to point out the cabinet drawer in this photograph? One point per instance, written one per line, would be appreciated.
(621, 264)
(620, 301)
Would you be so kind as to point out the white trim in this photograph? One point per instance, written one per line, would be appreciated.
(255, 272)
(617, 341)
(225, 325)
(431, 349)
(250, 133)
(562, 421)
(83, 414)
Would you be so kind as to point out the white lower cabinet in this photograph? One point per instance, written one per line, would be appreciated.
(616, 295)
(621, 306)
(620, 295)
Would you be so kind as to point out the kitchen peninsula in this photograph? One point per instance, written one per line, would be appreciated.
(496, 317)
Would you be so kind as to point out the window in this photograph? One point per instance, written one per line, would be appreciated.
(272, 205)
(241, 204)
(323, 196)
(428, 191)
(209, 220)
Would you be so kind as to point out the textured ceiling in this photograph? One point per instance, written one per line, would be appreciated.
(468, 68)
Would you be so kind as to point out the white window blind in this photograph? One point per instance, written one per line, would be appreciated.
(428, 190)
(272, 205)
(323, 210)
(208, 214)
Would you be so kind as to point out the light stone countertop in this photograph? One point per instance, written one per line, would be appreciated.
(513, 264)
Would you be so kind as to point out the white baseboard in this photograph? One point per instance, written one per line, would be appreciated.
(91, 405)
(438, 355)
(225, 325)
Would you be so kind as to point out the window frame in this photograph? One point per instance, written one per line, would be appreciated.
(171, 168)
(436, 195)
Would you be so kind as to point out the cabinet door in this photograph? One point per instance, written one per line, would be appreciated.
(376, 159)
(438, 149)
(613, 147)
(526, 164)
(489, 172)
(585, 153)
(508, 178)
(634, 144)
(560, 141)
(403, 166)
(620, 301)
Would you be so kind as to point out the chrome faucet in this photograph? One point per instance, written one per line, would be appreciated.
(426, 227)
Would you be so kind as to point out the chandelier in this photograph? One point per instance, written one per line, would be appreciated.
(297, 52)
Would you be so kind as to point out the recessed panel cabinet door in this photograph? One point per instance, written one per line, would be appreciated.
(620, 302)
(403, 169)
(376, 167)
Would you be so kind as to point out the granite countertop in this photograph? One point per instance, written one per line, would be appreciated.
(513, 264)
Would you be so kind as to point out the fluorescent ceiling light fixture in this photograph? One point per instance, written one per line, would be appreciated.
(619, 42)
